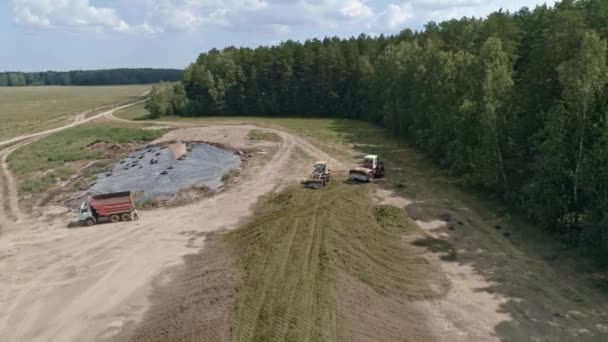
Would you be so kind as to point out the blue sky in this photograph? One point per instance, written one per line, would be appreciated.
(40, 35)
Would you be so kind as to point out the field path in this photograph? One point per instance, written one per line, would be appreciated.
(78, 120)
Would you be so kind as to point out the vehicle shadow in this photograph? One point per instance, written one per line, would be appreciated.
(535, 288)
(75, 224)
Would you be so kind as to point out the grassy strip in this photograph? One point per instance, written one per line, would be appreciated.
(332, 135)
(327, 130)
(290, 254)
(40, 165)
(136, 112)
(260, 135)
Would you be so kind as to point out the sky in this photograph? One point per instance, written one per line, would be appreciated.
(39, 35)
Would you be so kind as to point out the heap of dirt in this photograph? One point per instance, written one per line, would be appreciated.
(182, 197)
(178, 149)
(313, 252)
(111, 150)
(233, 136)
(302, 263)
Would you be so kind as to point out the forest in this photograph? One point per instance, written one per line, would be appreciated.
(514, 103)
(90, 77)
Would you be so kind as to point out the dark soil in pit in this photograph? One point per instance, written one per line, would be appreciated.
(161, 172)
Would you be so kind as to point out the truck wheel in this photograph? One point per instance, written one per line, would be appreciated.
(126, 217)
(114, 218)
(382, 172)
(89, 222)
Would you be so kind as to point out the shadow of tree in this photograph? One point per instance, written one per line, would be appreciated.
(442, 247)
(545, 291)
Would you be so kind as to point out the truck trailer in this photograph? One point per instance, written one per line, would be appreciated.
(113, 207)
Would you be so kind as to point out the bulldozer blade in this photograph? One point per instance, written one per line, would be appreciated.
(314, 184)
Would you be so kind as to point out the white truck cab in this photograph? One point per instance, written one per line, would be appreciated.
(86, 213)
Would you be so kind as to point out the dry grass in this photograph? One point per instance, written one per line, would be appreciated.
(257, 134)
(136, 112)
(291, 255)
(30, 109)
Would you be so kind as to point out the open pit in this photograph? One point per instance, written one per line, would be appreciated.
(182, 167)
(158, 173)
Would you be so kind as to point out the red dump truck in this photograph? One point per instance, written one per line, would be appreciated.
(112, 207)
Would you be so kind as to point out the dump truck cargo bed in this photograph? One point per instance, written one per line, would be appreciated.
(112, 204)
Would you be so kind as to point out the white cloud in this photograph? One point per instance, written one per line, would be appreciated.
(278, 28)
(396, 15)
(400, 15)
(66, 13)
(439, 10)
(357, 9)
(278, 16)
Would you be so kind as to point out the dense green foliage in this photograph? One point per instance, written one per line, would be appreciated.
(167, 99)
(90, 77)
(516, 103)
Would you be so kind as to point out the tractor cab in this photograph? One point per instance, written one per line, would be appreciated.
(370, 162)
(320, 167)
(320, 176)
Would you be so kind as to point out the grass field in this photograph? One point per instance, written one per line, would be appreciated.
(40, 165)
(136, 112)
(291, 255)
(261, 135)
(31, 109)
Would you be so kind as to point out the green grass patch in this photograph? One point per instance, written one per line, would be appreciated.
(261, 135)
(136, 112)
(40, 165)
(230, 175)
(290, 255)
(31, 109)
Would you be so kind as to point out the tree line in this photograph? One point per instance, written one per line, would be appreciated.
(90, 77)
(517, 103)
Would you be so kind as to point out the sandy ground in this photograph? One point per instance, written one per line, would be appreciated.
(195, 303)
(499, 291)
(101, 276)
(89, 284)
